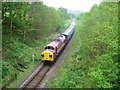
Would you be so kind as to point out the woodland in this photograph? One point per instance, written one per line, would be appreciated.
(92, 61)
(26, 29)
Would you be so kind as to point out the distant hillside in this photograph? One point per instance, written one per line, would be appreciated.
(74, 11)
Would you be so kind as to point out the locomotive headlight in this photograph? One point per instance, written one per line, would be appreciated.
(50, 55)
(42, 55)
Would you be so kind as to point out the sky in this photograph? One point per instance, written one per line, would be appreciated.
(80, 5)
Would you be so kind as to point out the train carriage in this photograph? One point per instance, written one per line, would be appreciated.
(68, 33)
(54, 48)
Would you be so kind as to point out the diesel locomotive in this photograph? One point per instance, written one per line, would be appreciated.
(53, 49)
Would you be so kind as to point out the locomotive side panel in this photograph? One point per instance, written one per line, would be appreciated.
(57, 45)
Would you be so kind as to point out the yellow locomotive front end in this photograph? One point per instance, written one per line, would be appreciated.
(47, 56)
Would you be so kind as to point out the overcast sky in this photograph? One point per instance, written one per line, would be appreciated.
(81, 5)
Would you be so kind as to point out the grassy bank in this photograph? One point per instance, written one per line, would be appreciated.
(17, 62)
(92, 61)
(18, 58)
(26, 29)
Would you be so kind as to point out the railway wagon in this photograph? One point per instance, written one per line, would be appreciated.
(68, 33)
(53, 49)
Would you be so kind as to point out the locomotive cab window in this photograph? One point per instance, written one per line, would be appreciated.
(49, 47)
(45, 47)
(52, 48)
(58, 39)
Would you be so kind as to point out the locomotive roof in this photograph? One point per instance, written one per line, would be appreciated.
(54, 43)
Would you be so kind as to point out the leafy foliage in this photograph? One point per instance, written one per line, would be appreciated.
(25, 27)
(94, 62)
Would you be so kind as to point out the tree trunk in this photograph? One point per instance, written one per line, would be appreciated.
(10, 22)
(24, 32)
(10, 30)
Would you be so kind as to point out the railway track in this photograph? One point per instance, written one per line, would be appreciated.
(35, 79)
(38, 75)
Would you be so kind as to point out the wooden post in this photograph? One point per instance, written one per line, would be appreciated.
(33, 56)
